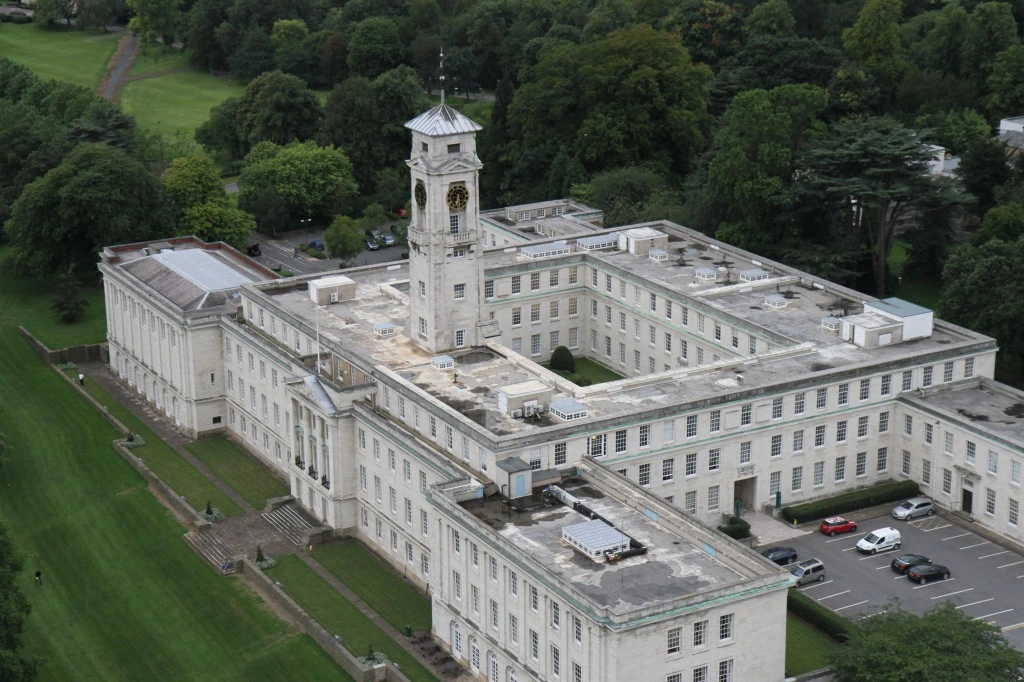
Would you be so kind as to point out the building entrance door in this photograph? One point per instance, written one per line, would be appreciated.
(966, 501)
(744, 492)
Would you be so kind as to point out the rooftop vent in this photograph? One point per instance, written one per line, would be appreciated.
(598, 242)
(830, 324)
(559, 248)
(707, 274)
(754, 275)
(442, 362)
(595, 538)
(776, 301)
(568, 409)
(332, 289)
(384, 329)
(658, 255)
(525, 399)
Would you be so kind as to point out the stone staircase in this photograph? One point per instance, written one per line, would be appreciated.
(290, 522)
(215, 551)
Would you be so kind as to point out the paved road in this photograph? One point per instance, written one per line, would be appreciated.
(987, 581)
(280, 251)
(118, 70)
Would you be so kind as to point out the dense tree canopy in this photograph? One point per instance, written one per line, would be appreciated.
(14, 608)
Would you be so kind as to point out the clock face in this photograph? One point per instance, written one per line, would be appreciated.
(458, 195)
(421, 194)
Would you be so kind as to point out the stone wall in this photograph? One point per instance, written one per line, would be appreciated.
(87, 353)
(272, 593)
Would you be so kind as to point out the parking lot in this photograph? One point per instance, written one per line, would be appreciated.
(986, 581)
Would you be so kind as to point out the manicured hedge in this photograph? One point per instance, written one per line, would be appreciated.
(889, 491)
(736, 528)
(821, 617)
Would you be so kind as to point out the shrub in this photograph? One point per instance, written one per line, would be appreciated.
(562, 359)
(736, 528)
(821, 617)
(881, 493)
(20, 18)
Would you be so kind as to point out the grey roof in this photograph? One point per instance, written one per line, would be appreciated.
(512, 465)
(318, 392)
(553, 248)
(568, 406)
(1012, 139)
(192, 279)
(597, 240)
(442, 120)
(899, 307)
(596, 534)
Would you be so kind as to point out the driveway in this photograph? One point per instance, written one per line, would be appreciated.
(280, 251)
(986, 582)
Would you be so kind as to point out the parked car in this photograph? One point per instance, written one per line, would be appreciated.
(389, 240)
(924, 573)
(837, 524)
(783, 556)
(808, 571)
(317, 244)
(372, 245)
(904, 562)
(377, 235)
(914, 507)
(880, 540)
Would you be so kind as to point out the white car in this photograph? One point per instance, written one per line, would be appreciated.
(880, 540)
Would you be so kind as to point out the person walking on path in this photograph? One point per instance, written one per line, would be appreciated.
(81, 379)
(39, 577)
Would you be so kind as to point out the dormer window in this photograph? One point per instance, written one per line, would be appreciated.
(454, 148)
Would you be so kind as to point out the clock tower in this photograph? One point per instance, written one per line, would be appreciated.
(445, 251)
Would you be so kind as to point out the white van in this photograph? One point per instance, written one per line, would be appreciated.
(880, 540)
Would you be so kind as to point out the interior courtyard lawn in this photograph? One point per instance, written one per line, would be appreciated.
(177, 102)
(807, 648)
(123, 596)
(340, 617)
(239, 470)
(78, 57)
(377, 584)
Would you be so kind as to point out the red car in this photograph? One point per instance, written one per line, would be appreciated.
(837, 524)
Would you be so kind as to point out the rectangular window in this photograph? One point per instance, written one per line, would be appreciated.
(908, 425)
(776, 408)
(862, 427)
(798, 479)
(560, 454)
(886, 384)
(840, 469)
(947, 481)
(700, 633)
(644, 477)
(947, 372)
(668, 430)
(928, 433)
(926, 472)
(715, 419)
(819, 474)
(645, 435)
(1015, 471)
(668, 342)
(674, 640)
(488, 288)
(993, 462)
(556, 617)
(668, 470)
(819, 436)
(690, 501)
(535, 312)
(745, 415)
(798, 403)
(577, 630)
(718, 331)
(1012, 511)
(882, 463)
(725, 671)
(535, 344)
(713, 494)
(908, 380)
(970, 452)
(725, 626)
(553, 278)
(535, 281)
(691, 464)
(844, 394)
(534, 644)
(822, 398)
(865, 389)
(798, 441)
(774, 482)
(574, 275)
(905, 462)
(883, 422)
(990, 501)
(777, 446)
(862, 463)
(691, 426)
(926, 379)
(700, 674)
(517, 284)
(841, 431)
(714, 459)
(574, 307)
(556, 661)
(745, 452)
(460, 292)
(968, 368)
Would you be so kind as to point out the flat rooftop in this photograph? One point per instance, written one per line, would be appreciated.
(673, 567)
(992, 409)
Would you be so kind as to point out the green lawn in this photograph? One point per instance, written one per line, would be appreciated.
(239, 470)
(377, 584)
(32, 297)
(155, 58)
(596, 372)
(339, 616)
(124, 597)
(807, 649)
(176, 102)
(920, 290)
(78, 57)
(176, 472)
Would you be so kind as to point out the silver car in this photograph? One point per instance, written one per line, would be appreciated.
(914, 507)
(808, 571)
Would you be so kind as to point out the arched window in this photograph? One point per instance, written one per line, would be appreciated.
(492, 667)
(456, 638)
(474, 654)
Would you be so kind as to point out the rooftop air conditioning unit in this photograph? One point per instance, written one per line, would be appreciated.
(529, 410)
(517, 414)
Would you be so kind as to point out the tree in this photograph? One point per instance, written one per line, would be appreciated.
(944, 645)
(770, 18)
(191, 181)
(991, 30)
(97, 14)
(1006, 84)
(982, 169)
(562, 359)
(253, 55)
(312, 182)
(942, 48)
(49, 11)
(199, 32)
(960, 129)
(290, 38)
(96, 197)
(344, 238)
(219, 134)
(710, 30)
(874, 41)
(14, 608)
(277, 108)
(155, 20)
(1005, 223)
(871, 172)
(374, 47)
(217, 221)
(68, 302)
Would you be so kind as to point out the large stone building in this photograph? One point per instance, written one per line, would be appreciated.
(406, 405)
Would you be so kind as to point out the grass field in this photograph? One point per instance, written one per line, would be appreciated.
(920, 290)
(123, 596)
(239, 470)
(807, 649)
(176, 102)
(78, 57)
(155, 58)
(341, 617)
(378, 585)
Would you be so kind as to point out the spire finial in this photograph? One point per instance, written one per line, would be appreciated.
(442, 74)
